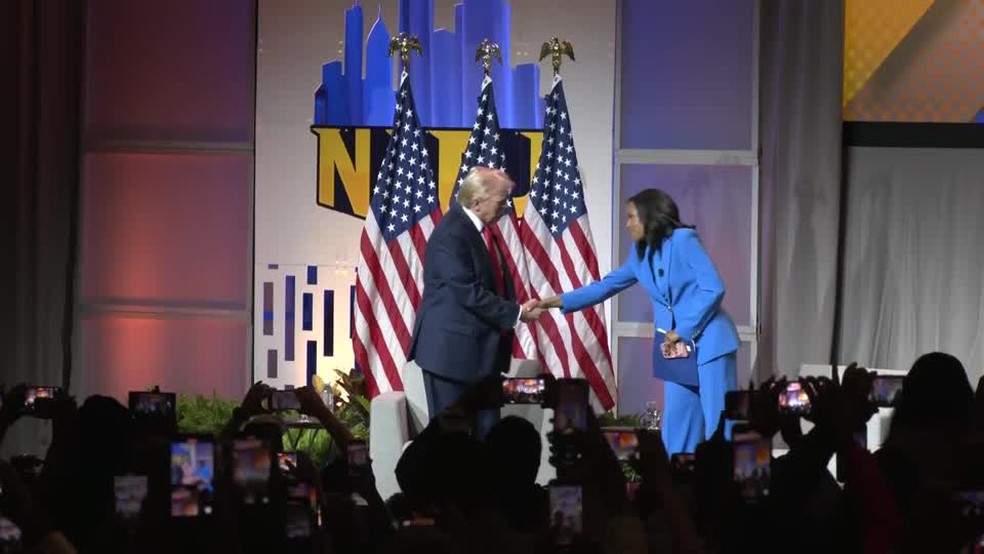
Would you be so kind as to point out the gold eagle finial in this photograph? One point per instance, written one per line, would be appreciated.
(404, 44)
(556, 49)
(485, 52)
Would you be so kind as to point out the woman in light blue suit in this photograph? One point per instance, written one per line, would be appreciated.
(686, 290)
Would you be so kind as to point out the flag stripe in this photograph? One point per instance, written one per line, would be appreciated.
(525, 343)
(371, 357)
(403, 210)
(384, 292)
(560, 252)
(543, 272)
(584, 361)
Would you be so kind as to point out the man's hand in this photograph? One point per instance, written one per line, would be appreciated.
(530, 311)
(310, 401)
(253, 401)
(671, 337)
(855, 408)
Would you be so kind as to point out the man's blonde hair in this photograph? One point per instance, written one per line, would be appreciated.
(475, 186)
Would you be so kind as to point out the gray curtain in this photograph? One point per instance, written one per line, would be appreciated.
(41, 52)
(801, 46)
(914, 271)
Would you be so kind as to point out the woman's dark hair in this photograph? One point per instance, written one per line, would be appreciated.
(659, 216)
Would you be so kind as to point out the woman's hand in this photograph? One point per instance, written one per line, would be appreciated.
(551, 302)
(671, 337)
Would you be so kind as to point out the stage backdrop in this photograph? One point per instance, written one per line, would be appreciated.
(324, 99)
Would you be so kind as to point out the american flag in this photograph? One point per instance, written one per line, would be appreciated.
(484, 150)
(561, 257)
(402, 214)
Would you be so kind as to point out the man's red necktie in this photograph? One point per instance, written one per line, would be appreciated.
(490, 243)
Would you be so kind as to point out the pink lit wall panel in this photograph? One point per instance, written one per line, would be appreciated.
(166, 228)
(169, 70)
(122, 353)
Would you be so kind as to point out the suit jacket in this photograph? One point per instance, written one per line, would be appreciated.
(684, 286)
(458, 333)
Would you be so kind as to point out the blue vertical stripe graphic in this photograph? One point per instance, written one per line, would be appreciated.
(307, 311)
(312, 359)
(329, 324)
(272, 363)
(353, 63)
(268, 308)
(312, 275)
(289, 305)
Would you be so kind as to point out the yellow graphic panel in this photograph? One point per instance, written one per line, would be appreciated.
(872, 29)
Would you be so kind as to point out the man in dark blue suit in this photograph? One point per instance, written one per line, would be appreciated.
(465, 325)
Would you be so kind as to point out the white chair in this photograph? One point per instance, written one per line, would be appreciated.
(395, 418)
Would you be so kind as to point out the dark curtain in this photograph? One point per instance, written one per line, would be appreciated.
(42, 58)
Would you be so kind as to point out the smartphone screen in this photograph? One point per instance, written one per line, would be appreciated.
(287, 461)
(566, 512)
(154, 409)
(358, 454)
(523, 390)
(571, 413)
(155, 404)
(10, 533)
(192, 474)
(752, 464)
(623, 441)
(283, 400)
(885, 390)
(683, 462)
(252, 461)
(34, 394)
(970, 503)
(794, 399)
(302, 512)
(130, 492)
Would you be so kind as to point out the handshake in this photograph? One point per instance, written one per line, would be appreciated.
(531, 310)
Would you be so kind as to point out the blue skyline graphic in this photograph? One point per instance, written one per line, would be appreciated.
(445, 80)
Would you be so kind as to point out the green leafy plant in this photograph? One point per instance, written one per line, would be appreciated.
(316, 443)
(203, 414)
(209, 415)
(351, 407)
(352, 403)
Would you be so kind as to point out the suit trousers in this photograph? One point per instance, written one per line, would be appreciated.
(442, 393)
(691, 414)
